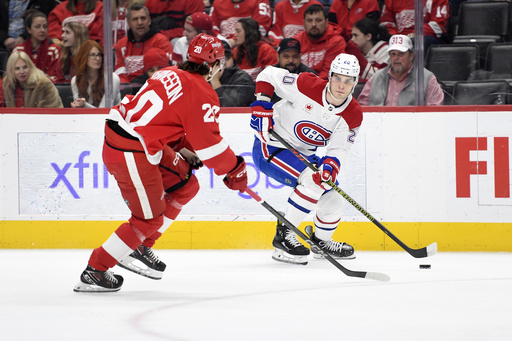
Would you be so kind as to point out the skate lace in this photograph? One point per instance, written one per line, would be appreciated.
(291, 237)
(109, 276)
(334, 246)
(151, 255)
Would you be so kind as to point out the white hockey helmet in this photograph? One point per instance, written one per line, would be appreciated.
(345, 64)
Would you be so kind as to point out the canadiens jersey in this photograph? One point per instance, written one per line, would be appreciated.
(167, 108)
(305, 119)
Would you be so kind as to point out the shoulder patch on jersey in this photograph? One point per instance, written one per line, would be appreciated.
(288, 79)
(312, 133)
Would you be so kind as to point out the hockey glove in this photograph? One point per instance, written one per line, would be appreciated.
(328, 170)
(262, 119)
(237, 178)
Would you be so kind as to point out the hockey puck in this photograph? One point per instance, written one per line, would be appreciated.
(424, 266)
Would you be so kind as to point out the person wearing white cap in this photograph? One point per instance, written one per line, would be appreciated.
(395, 84)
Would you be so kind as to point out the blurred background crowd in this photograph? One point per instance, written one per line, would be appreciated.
(53, 53)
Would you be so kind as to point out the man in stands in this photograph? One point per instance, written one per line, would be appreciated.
(321, 41)
(130, 50)
(395, 84)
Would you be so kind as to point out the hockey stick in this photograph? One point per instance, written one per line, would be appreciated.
(314, 246)
(427, 251)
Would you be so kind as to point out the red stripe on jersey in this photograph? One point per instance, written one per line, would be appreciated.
(311, 86)
(305, 197)
(284, 166)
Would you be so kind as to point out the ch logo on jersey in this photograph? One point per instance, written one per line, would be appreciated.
(312, 134)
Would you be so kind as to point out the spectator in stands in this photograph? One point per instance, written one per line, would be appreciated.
(288, 57)
(18, 8)
(372, 40)
(168, 17)
(226, 13)
(154, 60)
(234, 87)
(288, 18)
(25, 86)
(141, 37)
(395, 84)
(119, 24)
(321, 41)
(88, 85)
(252, 54)
(74, 34)
(87, 12)
(398, 17)
(43, 52)
(346, 13)
(195, 23)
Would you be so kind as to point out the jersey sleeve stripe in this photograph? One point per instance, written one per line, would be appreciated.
(212, 151)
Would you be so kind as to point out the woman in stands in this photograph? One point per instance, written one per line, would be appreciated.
(372, 40)
(251, 52)
(88, 84)
(43, 52)
(25, 86)
(73, 35)
(88, 12)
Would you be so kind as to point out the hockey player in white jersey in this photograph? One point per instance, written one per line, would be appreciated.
(313, 113)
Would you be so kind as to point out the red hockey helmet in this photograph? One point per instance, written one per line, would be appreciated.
(205, 49)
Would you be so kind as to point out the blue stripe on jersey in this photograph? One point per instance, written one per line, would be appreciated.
(297, 206)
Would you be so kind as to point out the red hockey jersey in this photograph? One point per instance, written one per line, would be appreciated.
(177, 10)
(398, 16)
(60, 15)
(288, 19)
(348, 17)
(319, 54)
(226, 13)
(167, 108)
(130, 54)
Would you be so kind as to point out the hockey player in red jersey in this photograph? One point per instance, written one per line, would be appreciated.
(313, 113)
(152, 140)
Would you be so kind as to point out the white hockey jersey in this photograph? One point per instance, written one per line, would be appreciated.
(305, 119)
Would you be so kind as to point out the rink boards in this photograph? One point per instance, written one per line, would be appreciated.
(441, 174)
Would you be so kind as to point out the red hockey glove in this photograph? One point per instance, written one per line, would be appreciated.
(328, 170)
(237, 178)
(262, 119)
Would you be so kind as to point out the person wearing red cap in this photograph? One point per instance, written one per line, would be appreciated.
(152, 143)
(195, 23)
(154, 60)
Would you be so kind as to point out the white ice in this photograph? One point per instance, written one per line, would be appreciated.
(245, 295)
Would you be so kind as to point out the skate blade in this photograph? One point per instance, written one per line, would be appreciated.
(319, 256)
(84, 287)
(281, 256)
(139, 270)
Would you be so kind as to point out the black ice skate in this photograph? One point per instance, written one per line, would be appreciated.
(93, 280)
(333, 248)
(288, 249)
(144, 262)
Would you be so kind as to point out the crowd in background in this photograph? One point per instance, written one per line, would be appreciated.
(61, 42)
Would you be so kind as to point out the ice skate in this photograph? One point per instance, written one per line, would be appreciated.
(288, 249)
(144, 262)
(333, 248)
(93, 280)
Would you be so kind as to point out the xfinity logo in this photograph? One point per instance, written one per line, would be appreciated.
(79, 168)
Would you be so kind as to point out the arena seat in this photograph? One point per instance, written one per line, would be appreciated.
(481, 92)
(65, 93)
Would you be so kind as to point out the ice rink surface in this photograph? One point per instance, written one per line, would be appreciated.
(245, 295)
